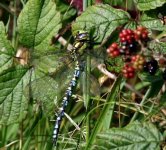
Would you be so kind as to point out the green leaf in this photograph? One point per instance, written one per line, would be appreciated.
(149, 4)
(13, 104)
(151, 78)
(156, 82)
(159, 47)
(6, 50)
(37, 24)
(101, 20)
(150, 20)
(135, 136)
(66, 10)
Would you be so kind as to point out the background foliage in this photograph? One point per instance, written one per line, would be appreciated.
(36, 67)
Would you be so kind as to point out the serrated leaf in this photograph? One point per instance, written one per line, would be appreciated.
(37, 23)
(6, 50)
(13, 104)
(151, 78)
(102, 20)
(135, 136)
(150, 20)
(149, 4)
(159, 47)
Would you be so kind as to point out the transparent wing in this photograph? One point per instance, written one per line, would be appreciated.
(50, 77)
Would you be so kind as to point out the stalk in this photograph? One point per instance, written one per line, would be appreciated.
(110, 98)
(142, 103)
(86, 87)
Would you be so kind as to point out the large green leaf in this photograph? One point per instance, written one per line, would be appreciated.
(149, 4)
(6, 50)
(150, 20)
(100, 20)
(13, 104)
(37, 23)
(158, 47)
(136, 136)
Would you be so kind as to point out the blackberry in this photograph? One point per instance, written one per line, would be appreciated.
(151, 66)
(127, 35)
(138, 62)
(164, 74)
(129, 48)
(133, 47)
(141, 33)
(128, 71)
(113, 50)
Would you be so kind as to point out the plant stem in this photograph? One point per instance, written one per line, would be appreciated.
(142, 103)
(6, 8)
(110, 98)
(88, 69)
(14, 24)
(87, 3)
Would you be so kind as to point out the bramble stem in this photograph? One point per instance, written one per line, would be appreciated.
(86, 88)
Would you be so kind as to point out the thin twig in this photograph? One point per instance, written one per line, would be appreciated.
(103, 69)
(64, 43)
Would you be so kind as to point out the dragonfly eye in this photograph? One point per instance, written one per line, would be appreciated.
(82, 36)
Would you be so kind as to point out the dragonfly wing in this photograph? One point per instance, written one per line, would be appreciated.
(50, 77)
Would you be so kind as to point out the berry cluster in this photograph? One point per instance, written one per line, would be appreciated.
(131, 43)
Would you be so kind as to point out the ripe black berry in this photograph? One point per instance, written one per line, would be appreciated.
(129, 48)
(164, 74)
(133, 47)
(151, 66)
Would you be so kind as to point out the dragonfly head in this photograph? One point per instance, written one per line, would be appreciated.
(82, 36)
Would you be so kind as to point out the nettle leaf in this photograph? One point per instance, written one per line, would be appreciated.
(150, 20)
(6, 50)
(13, 104)
(101, 20)
(37, 23)
(149, 4)
(142, 136)
(159, 47)
(151, 78)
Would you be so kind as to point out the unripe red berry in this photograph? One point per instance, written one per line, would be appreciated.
(126, 35)
(113, 50)
(141, 33)
(138, 62)
(128, 71)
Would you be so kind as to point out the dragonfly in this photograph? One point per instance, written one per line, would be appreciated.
(80, 39)
(62, 80)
